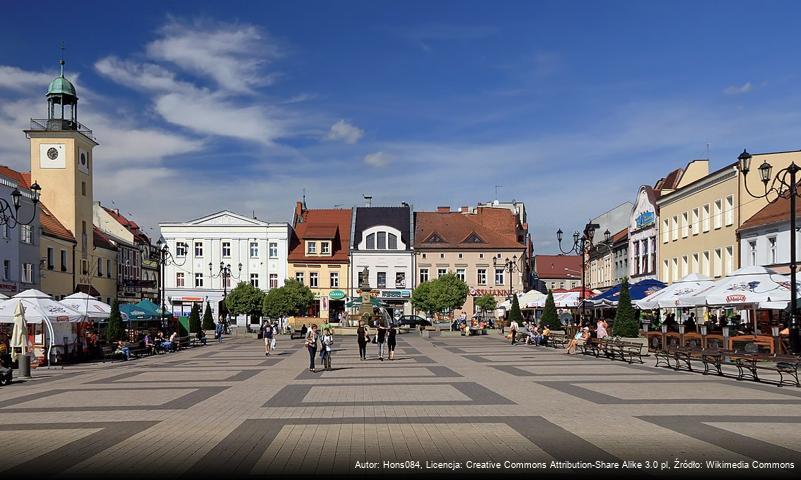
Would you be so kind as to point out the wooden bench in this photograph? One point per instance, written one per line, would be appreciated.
(196, 342)
(629, 350)
(183, 342)
(783, 364)
(557, 340)
(139, 350)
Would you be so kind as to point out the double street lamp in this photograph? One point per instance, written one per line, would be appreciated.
(784, 183)
(9, 212)
(164, 257)
(582, 245)
(225, 273)
(508, 265)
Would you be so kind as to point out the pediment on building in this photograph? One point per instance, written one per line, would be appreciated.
(226, 218)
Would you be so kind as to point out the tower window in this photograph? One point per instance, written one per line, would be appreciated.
(83, 188)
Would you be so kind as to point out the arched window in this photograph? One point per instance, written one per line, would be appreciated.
(371, 241)
(392, 242)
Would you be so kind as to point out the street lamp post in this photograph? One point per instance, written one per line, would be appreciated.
(582, 245)
(224, 273)
(508, 266)
(784, 183)
(9, 212)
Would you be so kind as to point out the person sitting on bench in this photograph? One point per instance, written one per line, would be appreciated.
(123, 350)
(201, 336)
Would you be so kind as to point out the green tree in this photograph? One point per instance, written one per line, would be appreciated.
(549, 316)
(626, 324)
(442, 294)
(194, 319)
(297, 297)
(275, 304)
(515, 315)
(115, 330)
(244, 299)
(208, 319)
(486, 303)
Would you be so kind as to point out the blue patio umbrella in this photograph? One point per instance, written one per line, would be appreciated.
(637, 291)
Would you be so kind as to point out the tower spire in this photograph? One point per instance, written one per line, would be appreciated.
(61, 62)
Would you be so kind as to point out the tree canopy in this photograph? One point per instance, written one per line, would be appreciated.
(208, 319)
(442, 294)
(194, 319)
(245, 299)
(291, 299)
(486, 303)
(515, 315)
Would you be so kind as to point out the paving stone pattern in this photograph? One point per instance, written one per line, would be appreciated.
(226, 409)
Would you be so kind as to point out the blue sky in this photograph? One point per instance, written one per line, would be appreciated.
(571, 106)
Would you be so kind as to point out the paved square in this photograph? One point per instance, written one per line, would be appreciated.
(228, 409)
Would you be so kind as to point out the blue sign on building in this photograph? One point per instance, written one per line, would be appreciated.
(645, 219)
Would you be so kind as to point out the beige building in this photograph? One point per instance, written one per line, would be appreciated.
(104, 266)
(58, 250)
(61, 163)
(319, 258)
(698, 221)
(473, 244)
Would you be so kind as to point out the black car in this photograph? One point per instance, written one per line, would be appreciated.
(413, 321)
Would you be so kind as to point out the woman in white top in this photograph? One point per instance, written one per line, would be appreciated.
(327, 341)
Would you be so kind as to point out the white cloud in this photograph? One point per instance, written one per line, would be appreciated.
(738, 89)
(345, 132)
(232, 54)
(141, 76)
(377, 159)
(16, 79)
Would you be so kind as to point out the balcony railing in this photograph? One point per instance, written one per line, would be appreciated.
(58, 124)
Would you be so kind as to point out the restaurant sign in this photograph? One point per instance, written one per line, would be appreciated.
(395, 294)
(495, 293)
(735, 299)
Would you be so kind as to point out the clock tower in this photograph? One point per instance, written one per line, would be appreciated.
(61, 162)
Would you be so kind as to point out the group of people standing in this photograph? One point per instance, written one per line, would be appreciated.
(385, 338)
(325, 342)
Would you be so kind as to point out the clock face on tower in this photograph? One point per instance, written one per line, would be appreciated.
(83, 161)
(52, 155)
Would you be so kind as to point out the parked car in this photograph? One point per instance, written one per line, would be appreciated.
(413, 321)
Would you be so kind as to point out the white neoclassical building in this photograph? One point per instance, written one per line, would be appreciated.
(212, 254)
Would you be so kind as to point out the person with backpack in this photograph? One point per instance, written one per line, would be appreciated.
(391, 342)
(362, 337)
(311, 345)
(327, 343)
(267, 332)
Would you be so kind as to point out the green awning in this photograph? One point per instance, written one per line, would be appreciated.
(357, 302)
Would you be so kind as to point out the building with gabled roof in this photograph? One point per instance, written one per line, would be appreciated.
(474, 244)
(19, 246)
(319, 257)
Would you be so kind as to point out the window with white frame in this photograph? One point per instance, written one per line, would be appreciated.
(333, 278)
(311, 248)
(370, 242)
(728, 260)
(441, 272)
(325, 248)
(181, 249)
(718, 262)
(381, 279)
(179, 279)
(685, 225)
(226, 249)
(25, 234)
(392, 241)
(299, 277)
(694, 266)
(752, 252)
(705, 261)
(481, 276)
(423, 275)
(694, 226)
(674, 228)
(273, 250)
(254, 249)
(499, 276)
(685, 265)
(771, 250)
(705, 218)
(27, 273)
(729, 212)
(254, 280)
(674, 273)
(198, 280)
(718, 214)
(460, 274)
(665, 231)
(273, 280)
(198, 249)
(381, 241)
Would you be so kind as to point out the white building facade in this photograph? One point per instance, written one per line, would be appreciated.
(252, 250)
(643, 235)
(382, 240)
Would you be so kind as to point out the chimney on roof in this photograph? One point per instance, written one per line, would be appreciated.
(464, 209)
(117, 211)
(444, 209)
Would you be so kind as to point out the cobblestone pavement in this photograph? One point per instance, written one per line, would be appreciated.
(227, 409)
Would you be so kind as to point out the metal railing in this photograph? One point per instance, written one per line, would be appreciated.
(59, 124)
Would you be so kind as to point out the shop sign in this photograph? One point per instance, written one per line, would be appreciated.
(395, 294)
(495, 293)
(645, 219)
(735, 298)
(11, 287)
(336, 295)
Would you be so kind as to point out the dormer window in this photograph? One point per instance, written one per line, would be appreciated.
(381, 238)
(311, 248)
(325, 248)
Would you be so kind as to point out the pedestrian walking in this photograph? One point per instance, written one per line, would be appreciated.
(381, 339)
(267, 332)
(218, 331)
(327, 342)
(391, 341)
(513, 331)
(274, 341)
(362, 337)
(311, 345)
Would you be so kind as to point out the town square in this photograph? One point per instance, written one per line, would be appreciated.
(400, 238)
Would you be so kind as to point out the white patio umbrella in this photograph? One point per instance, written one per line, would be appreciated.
(19, 336)
(87, 306)
(526, 300)
(3, 297)
(672, 295)
(757, 286)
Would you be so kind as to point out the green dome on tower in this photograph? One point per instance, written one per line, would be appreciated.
(61, 86)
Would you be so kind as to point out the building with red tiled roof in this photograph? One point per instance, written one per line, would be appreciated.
(764, 239)
(319, 257)
(474, 244)
(554, 272)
